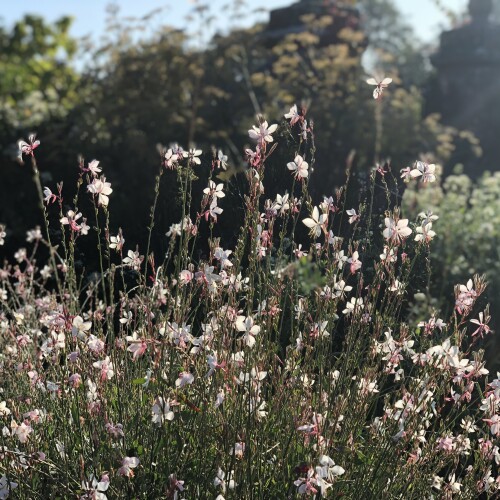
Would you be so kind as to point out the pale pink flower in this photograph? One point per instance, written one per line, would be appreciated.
(482, 323)
(21, 431)
(115, 430)
(49, 196)
(75, 380)
(424, 170)
(293, 115)
(171, 159)
(396, 231)
(494, 423)
(102, 189)
(185, 378)
(137, 346)
(185, 277)
(27, 149)
(354, 262)
(94, 168)
(106, 367)
(133, 260)
(353, 216)
(70, 220)
(128, 463)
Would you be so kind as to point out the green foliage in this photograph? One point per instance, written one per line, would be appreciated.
(38, 82)
(468, 230)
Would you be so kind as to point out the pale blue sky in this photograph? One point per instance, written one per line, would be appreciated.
(90, 15)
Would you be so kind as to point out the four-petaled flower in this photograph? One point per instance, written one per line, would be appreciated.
(424, 170)
(246, 325)
(299, 167)
(102, 189)
(316, 223)
(263, 132)
(193, 156)
(161, 412)
(396, 231)
(482, 323)
(170, 159)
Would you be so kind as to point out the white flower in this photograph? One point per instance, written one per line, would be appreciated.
(380, 85)
(353, 216)
(425, 170)
(353, 306)
(425, 233)
(102, 189)
(299, 167)
(170, 158)
(161, 411)
(293, 115)
(281, 205)
(214, 210)
(246, 325)
(4, 411)
(33, 235)
(3, 234)
(94, 168)
(95, 489)
(221, 160)
(263, 132)
(223, 256)
(213, 189)
(316, 223)
(80, 327)
(185, 378)
(396, 231)
(133, 259)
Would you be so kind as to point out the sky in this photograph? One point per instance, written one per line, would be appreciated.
(90, 15)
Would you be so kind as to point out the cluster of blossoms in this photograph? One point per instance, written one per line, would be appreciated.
(253, 363)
